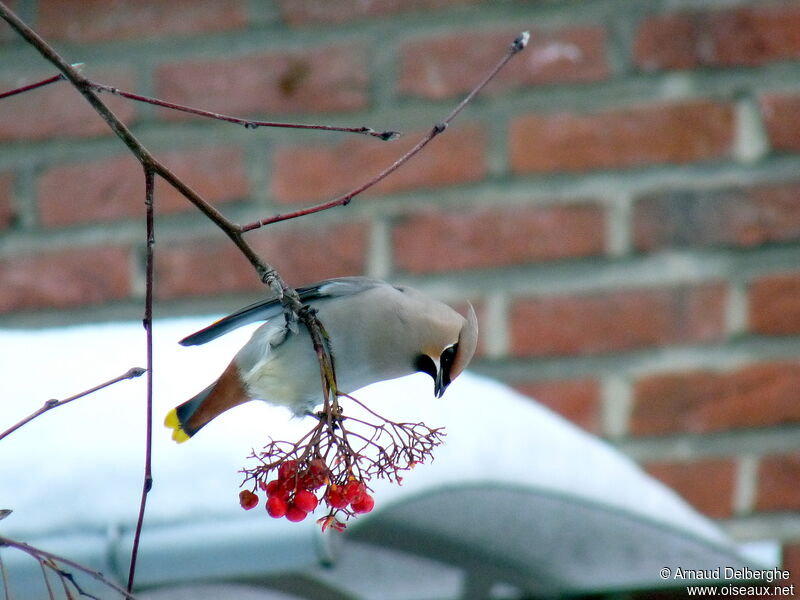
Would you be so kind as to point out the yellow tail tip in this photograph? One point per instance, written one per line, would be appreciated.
(172, 422)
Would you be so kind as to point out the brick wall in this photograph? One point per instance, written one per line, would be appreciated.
(622, 206)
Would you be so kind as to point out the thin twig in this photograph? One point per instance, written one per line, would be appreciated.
(519, 43)
(247, 123)
(38, 84)
(67, 576)
(67, 593)
(149, 176)
(31, 86)
(50, 593)
(51, 404)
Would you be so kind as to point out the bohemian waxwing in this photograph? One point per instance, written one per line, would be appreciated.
(377, 331)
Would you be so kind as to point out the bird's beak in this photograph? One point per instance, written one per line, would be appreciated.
(440, 384)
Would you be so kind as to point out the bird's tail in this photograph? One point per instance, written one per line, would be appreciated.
(191, 416)
(178, 418)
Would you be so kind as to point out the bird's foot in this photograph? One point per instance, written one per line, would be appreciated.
(332, 417)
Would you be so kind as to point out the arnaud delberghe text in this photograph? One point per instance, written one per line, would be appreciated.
(729, 573)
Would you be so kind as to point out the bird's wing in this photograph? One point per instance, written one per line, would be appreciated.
(263, 310)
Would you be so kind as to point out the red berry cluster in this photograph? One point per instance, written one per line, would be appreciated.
(293, 493)
(353, 494)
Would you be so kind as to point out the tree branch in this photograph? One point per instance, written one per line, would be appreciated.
(247, 123)
(51, 404)
(84, 86)
(149, 177)
(50, 560)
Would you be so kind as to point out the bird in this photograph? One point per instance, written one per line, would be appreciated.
(376, 331)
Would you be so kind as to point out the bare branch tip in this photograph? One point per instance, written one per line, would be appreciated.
(520, 41)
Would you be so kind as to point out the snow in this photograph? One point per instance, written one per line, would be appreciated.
(84, 461)
(78, 468)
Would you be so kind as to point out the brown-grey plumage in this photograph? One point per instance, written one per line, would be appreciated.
(377, 331)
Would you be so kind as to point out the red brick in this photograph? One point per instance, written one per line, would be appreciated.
(7, 211)
(707, 484)
(307, 173)
(622, 138)
(757, 395)
(305, 12)
(744, 216)
(327, 79)
(202, 268)
(791, 562)
(58, 110)
(746, 36)
(82, 21)
(301, 255)
(781, 114)
(777, 483)
(617, 321)
(438, 241)
(448, 65)
(755, 35)
(113, 189)
(65, 278)
(575, 399)
(774, 307)
(667, 42)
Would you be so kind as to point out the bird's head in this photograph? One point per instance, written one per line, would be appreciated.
(450, 355)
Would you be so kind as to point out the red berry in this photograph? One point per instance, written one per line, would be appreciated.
(248, 499)
(287, 469)
(305, 481)
(364, 504)
(283, 488)
(295, 514)
(318, 467)
(276, 507)
(315, 476)
(272, 487)
(335, 498)
(305, 500)
(353, 491)
(309, 481)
